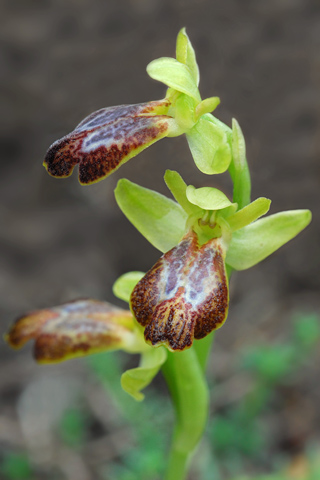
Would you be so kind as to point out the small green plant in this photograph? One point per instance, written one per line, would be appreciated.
(239, 430)
(202, 234)
(72, 427)
(16, 466)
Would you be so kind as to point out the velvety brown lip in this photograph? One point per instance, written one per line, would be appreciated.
(184, 296)
(72, 329)
(106, 139)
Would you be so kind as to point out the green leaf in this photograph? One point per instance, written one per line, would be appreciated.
(124, 285)
(178, 189)
(136, 379)
(307, 329)
(175, 75)
(239, 170)
(249, 214)
(208, 198)
(185, 54)
(72, 427)
(254, 243)
(16, 466)
(209, 147)
(159, 219)
(270, 362)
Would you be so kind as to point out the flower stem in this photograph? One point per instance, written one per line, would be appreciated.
(189, 391)
(202, 348)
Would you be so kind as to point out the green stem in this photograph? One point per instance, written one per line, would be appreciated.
(189, 391)
(202, 348)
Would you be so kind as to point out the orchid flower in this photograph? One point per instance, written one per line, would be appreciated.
(185, 294)
(109, 137)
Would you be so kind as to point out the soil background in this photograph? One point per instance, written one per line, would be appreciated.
(61, 60)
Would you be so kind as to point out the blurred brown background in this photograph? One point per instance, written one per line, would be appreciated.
(62, 59)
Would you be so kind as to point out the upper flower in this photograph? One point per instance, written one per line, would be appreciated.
(109, 137)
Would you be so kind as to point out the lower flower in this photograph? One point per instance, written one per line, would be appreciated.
(185, 295)
(75, 329)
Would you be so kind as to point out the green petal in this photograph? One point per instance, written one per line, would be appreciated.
(185, 54)
(207, 106)
(209, 147)
(175, 75)
(249, 214)
(178, 189)
(123, 286)
(254, 243)
(136, 379)
(208, 198)
(159, 219)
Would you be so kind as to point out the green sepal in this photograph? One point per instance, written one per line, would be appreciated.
(218, 123)
(209, 147)
(178, 188)
(254, 243)
(159, 219)
(249, 214)
(184, 112)
(208, 198)
(124, 285)
(175, 75)
(136, 379)
(185, 54)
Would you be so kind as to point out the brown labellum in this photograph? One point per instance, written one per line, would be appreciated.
(108, 138)
(185, 295)
(73, 329)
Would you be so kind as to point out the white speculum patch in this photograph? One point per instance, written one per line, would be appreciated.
(197, 280)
